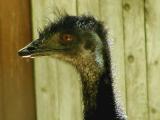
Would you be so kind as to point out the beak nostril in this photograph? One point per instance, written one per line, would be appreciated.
(31, 48)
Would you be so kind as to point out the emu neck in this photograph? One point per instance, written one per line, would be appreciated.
(98, 96)
(98, 99)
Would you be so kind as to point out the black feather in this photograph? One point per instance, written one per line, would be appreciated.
(73, 23)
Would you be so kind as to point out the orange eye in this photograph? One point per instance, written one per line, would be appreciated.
(67, 37)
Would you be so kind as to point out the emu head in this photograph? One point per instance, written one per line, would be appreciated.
(74, 39)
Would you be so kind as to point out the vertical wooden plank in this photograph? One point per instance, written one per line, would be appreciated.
(135, 58)
(56, 82)
(16, 78)
(1, 95)
(111, 14)
(153, 55)
(90, 7)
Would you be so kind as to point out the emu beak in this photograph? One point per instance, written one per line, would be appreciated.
(34, 48)
(27, 51)
(41, 48)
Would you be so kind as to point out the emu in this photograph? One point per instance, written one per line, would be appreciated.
(82, 42)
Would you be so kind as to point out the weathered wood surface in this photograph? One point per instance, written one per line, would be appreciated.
(135, 57)
(89, 7)
(16, 75)
(152, 18)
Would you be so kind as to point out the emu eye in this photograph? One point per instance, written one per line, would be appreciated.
(67, 37)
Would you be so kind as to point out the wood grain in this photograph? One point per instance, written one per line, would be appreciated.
(16, 75)
(135, 57)
(152, 15)
(90, 7)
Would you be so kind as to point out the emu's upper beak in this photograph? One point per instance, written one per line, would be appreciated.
(41, 48)
(27, 51)
(35, 48)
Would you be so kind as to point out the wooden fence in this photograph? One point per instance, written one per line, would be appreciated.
(134, 27)
(17, 100)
